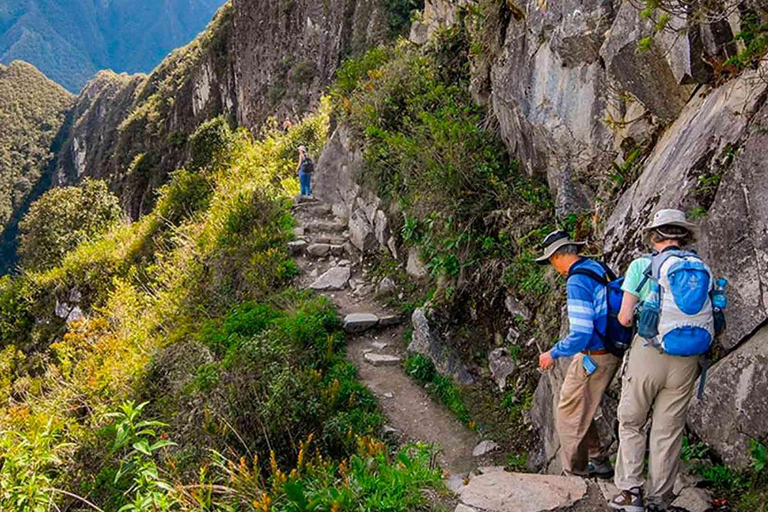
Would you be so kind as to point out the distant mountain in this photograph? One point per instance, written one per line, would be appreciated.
(70, 40)
(32, 111)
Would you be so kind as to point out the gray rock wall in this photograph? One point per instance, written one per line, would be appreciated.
(573, 93)
(287, 51)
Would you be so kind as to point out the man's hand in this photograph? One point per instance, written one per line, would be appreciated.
(546, 361)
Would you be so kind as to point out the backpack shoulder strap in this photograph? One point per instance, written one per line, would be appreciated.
(609, 273)
(647, 273)
(589, 273)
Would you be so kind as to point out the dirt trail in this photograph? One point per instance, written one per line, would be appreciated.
(409, 409)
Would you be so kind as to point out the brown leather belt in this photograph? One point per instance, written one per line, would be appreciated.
(600, 352)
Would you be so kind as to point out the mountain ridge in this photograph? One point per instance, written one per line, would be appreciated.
(124, 35)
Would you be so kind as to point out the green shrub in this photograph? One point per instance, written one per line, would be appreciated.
(425, 147)
(441, 387)
(64, 217)
(186, 194)
(208, 145)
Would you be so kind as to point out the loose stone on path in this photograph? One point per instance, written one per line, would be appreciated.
(382, 359)
(334, 279)
(360, 322)
(484, 448)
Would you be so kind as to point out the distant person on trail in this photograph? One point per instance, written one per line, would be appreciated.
(593, 366)
(305, 168)
(678, 307)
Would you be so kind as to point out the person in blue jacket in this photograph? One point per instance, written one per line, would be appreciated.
(592, 368)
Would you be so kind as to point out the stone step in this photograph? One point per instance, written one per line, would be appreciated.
(300, 200)
(322, 226)
(382, 359)
(334, 279)
(316, 208)
(496, 490)
(297, 247)
(356, 323)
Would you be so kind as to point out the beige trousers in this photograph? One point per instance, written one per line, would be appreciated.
(580, 397)
(664, 384)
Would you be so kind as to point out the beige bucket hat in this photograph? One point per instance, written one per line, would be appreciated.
(553, 242)
(671, 217)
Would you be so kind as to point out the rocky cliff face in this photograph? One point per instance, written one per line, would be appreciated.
(575, 97)
(286, 52)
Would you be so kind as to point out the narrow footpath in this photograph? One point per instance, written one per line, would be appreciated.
(332, 266)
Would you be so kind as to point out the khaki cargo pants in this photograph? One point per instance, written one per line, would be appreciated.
(580, 397)
(664, 384)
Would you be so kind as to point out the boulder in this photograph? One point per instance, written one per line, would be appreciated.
(496, 490)
(386, 287)
(361, 232)
(382, 359)
(334, 279)
(734, 409)
(427, 342)
(359, 322)
(647, 75)
(502, 365)
(415, 267)
(381, 228)
(392, 246)
(693, 499)
(334, 180)
(702, 138)
(484, 448)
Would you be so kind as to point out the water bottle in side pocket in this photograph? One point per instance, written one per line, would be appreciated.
(719, 303)
(648, 313)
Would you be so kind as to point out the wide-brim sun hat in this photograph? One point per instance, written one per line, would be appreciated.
(554, 241)
(671, 217)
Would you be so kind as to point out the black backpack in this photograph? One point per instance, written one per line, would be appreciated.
(618, 338)
(307, 165)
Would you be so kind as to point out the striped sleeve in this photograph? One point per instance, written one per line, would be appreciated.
(581, 316)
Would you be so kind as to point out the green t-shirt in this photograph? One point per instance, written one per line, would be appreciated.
(634, 276)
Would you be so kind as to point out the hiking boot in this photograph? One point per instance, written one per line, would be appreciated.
(600, 469)
(655, 507)
(629, 501)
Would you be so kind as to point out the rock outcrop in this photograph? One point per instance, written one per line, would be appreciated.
(286, 52)
(733, 409)
(429, 343)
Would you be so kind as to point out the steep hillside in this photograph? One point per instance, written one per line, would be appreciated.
(32, 110)
(131, 131)
(70, 41)
(255, 61)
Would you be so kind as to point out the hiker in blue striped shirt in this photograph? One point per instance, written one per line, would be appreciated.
(592, 367)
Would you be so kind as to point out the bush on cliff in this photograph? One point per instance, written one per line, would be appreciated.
(63, 218)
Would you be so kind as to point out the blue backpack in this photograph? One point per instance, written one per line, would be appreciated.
(617, 338)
